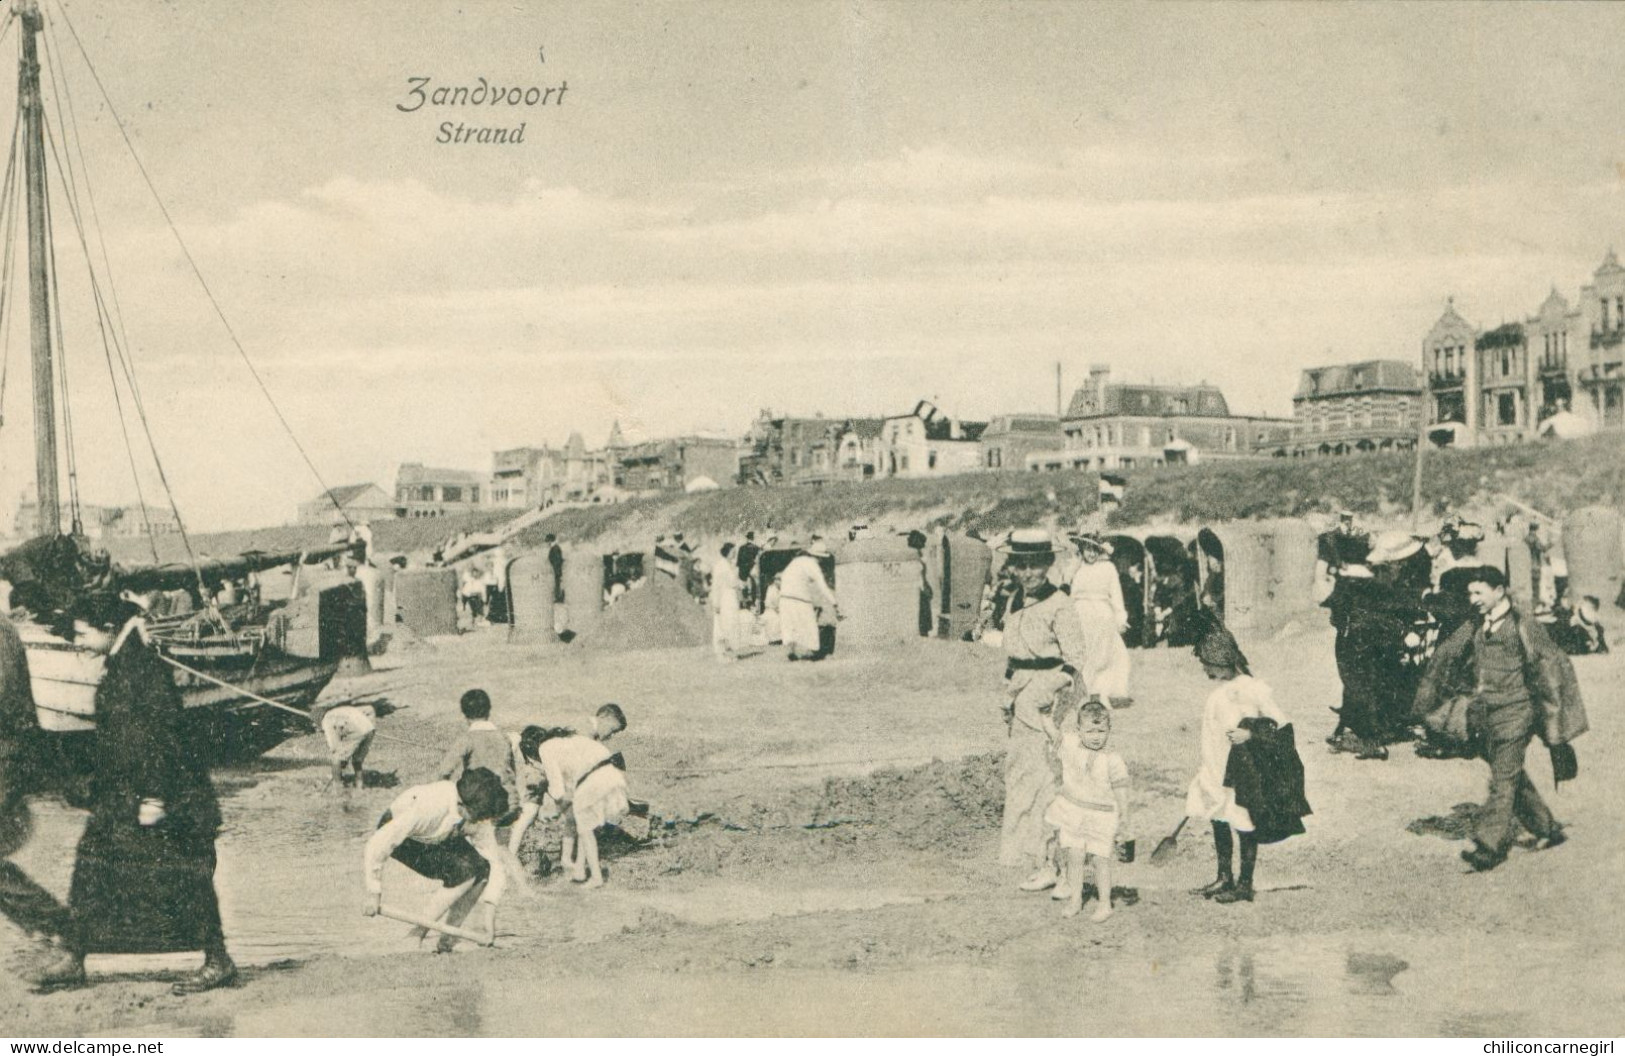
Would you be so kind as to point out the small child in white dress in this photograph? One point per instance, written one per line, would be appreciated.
(1091, 810)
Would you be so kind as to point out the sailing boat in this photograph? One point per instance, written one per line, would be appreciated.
(241, 664)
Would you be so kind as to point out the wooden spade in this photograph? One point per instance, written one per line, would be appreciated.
(437, 925)
(1167, 845)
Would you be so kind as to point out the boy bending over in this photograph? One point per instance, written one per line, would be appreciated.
(435, 830)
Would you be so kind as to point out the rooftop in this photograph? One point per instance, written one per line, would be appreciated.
(1371, 375)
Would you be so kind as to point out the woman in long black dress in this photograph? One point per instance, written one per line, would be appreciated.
(144, 878)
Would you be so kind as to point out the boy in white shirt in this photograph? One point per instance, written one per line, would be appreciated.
(348, 730)
(435, 831)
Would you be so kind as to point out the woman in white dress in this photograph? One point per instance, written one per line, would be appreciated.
(1097, 594)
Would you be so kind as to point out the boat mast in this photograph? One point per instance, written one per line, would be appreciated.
(28, 95)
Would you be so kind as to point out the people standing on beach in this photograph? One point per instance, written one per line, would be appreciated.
(1090, 812)
(724, 604)
(1241, 709)
(587, 787)
(1045, 649)
(143, 879)
(1373, 612)
(1522, 685)
(802, 592)
(440, 831)
(745, 560)
(1097, 593)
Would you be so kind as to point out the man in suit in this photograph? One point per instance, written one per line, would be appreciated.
(1522, 685)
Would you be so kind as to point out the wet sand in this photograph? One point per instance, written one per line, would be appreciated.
(817, 873)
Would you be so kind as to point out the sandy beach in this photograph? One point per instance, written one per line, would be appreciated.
(823, 864)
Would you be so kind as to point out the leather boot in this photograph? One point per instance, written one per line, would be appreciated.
(216, 972)
(1239, 893)
(63, 970)
(1224, 883)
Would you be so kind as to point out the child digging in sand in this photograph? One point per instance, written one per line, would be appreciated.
(1091, 809)
(589, 789)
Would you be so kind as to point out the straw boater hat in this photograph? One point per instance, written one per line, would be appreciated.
(817, 548)
(1392, 546)
(1029, 543)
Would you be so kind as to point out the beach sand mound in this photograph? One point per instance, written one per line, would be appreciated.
(658, 615)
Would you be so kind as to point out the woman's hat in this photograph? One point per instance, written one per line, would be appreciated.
(1218, 648)
(817, 548)
(1092, 541)
(1392, 546)
(1029, 542)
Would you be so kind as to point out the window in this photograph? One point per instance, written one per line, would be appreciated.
(1506, 362)
(902, 463)
(930, 460)
(1507, 409)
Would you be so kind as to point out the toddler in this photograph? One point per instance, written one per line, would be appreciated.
(1090, 811)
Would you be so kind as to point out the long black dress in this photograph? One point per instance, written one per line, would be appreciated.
(139, 888)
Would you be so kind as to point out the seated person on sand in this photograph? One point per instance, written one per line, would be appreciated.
(587, 787)
(424, 830)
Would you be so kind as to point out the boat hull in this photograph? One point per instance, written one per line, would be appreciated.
(64, 678)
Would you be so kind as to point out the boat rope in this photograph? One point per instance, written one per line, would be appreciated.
(208, 292)
(70, 183)
(290, 709)
(250, 694)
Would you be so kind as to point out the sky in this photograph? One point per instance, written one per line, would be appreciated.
(808, 207)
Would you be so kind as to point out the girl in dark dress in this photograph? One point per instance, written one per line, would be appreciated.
(143, 881)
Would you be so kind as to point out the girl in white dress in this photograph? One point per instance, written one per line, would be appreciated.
(1238, 696)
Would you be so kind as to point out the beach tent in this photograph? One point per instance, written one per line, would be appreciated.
(1171, 576)
(1132, 562)
(966, 565)
(530, 599)
(882, 580)
(1592, 549)
(427, 598)
(583, 590)
(1256, 574)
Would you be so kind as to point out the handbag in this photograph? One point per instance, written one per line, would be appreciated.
(1452, 719)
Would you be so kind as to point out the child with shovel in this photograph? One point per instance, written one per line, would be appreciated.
(424, 830)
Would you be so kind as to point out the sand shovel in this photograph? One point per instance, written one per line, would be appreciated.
(438, 925)
(1167, 845)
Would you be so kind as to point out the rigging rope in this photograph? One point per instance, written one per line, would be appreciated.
(70, 181)
(163, 477)
(62, 357)
(8, 203)
(192, 263)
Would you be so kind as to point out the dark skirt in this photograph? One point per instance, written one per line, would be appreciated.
(143, 889)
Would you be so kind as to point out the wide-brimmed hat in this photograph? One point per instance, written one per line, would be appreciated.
(817, 548)
(1217, 648)
(1029, 542)
(1392, 546)
(1092, 541)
